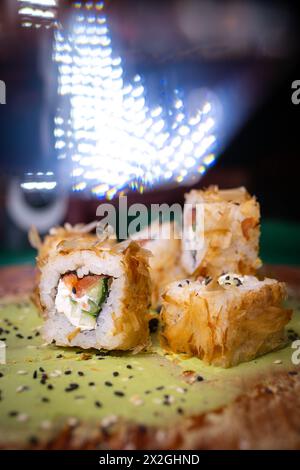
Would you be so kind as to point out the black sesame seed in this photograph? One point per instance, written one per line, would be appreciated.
(153, 325)
(179, 285)
(293, 372)
(41, 369)
(118, 393)
(35, 374)
(68, 372)
(147, 392)
(161, 387)
(45, 400)
(101, 353)
(130, 376)
(37, 333)
(91, 384)
(59, 356)
(80, 373)
(108, 384)
(71, 387)
(74, 290)
(29, 337)
(115, 374)
(50, 387)
(18, 335)
(1, 374)
(180, 411)
(33, 440)
(44, 379)
(129, 366)
(13, 413)
(98, 404)
(200, 378)
(2, 339)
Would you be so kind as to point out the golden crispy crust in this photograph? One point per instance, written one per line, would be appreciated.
(131, 321)
(249, 326)
(135, 303)
(231, 231)
(164, 263)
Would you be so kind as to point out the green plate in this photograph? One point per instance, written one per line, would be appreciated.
(44, 387)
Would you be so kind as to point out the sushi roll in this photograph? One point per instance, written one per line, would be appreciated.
(230, 232)
(225, 320)
(163, 241)
(92, 294)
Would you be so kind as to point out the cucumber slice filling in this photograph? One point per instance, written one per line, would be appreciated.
(97, 296)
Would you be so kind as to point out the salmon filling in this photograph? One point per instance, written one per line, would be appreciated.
(81, 299)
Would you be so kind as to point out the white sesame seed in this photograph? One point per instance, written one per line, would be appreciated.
(170, 399)
(72, 422)
(109, 420)
(161, 435)
(278, 361)
(21, 388)
(56, 373)
(157, 401)
(22, 417)
(136, 400)
(22, 372)
(45, 424)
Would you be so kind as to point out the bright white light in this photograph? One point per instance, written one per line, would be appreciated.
(35, 13)
(111, 135)
(38, 185)
(46, 3)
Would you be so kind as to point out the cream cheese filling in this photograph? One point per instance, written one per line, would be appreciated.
(72, 307)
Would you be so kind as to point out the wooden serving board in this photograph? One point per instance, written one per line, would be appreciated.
(65, 398)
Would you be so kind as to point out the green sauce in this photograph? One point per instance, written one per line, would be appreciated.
(148, 388)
